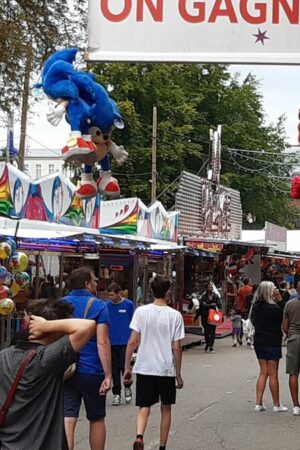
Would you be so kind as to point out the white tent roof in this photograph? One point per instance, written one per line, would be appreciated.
(41, 230)
(258, 236)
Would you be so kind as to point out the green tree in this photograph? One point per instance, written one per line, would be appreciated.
(30, 32)
(191, 99)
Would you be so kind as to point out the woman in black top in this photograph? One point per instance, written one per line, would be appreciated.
(209, 300)
(267, 319)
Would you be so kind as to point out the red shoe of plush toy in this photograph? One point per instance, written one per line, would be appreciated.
(88, 187)
(108, 186)
(295, 188)
(79, 150)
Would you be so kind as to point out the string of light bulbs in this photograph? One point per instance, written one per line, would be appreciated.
(283, 191)
(250, 158)
(248, 169)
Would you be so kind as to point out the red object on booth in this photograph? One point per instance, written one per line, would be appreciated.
(295, 189)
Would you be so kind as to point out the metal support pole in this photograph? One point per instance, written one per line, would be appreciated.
(154, 148)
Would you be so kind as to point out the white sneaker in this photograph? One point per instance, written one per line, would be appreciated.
(260, 408)
(280, 408)
(296, 411)
(117, 400)
(128, 395)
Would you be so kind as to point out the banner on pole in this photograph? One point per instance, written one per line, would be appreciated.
(221, 31)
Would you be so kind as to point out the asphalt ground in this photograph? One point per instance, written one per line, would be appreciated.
(215, 409)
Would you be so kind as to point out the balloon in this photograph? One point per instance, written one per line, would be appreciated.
(14, 289)
(14, 261)
(3, 273)
(8, 280)
(13, 245)
(4, 291)
(23, 262)
(22, 279)
(5, 250)
(6, 306)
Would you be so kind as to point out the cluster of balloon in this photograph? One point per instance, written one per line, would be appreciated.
(13, 277)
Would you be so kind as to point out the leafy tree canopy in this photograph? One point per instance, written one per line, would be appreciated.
(190, 100)
(31, 30)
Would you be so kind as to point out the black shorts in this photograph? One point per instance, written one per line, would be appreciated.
(151, 389)
(84, 387)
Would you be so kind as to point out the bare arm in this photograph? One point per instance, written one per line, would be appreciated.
(131, 346)
(177, 352)
(78, 330)
(286, 325)
(104, 353)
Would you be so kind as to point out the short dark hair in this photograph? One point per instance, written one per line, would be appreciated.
(160, 286)
(246, 280)
(79, 277)
(50, 309)
(114, 287)
(283, 285)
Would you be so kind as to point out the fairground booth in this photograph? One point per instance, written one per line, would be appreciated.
(122, 240)
(210, 225)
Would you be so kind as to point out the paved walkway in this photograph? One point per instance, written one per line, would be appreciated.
(214, 411)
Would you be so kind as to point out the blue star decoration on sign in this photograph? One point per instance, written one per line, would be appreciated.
(261, 36)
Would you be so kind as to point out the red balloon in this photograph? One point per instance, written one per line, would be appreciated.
(4, 291)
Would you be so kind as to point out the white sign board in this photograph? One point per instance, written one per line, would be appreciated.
(222, 31)
(276, 235)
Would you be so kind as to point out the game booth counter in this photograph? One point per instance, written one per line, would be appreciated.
(32, 255)
(280, 261)
(60, 232)
(225, 263)
(150, 234)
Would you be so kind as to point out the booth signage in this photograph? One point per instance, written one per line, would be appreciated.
(226, 31)
(211, 247)
(208, 210)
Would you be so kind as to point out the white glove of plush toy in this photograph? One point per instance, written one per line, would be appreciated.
(118, 152)
(55, 114)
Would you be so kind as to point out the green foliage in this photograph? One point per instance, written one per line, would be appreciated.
(190, 99)
(30, 32)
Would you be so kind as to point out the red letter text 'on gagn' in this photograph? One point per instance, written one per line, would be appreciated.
(155, 7)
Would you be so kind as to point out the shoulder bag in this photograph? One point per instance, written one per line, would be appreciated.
(215, 316)
(11, 393)
(72, 368)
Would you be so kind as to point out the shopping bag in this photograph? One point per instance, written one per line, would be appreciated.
(215, 317)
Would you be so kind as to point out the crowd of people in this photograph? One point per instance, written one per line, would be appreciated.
(78, 347)
(73, 349)
(270, 317)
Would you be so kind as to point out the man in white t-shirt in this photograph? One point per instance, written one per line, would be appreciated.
(158, 331)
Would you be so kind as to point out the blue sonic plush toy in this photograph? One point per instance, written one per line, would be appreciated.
(92, 116)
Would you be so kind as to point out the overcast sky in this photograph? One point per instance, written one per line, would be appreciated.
(279, 86)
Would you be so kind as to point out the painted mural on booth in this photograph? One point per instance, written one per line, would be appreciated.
(50, 199)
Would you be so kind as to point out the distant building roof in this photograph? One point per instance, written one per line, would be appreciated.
(43, 153)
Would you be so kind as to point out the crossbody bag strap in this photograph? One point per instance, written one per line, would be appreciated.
(88, 307)
(11, 393)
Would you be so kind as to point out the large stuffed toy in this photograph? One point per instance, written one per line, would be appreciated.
(92, 116)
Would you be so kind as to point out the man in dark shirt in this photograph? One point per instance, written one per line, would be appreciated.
(291, 326)
(284, 291)
(35, 417)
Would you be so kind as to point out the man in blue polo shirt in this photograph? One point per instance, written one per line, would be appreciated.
(92, 379)
(120, 313)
